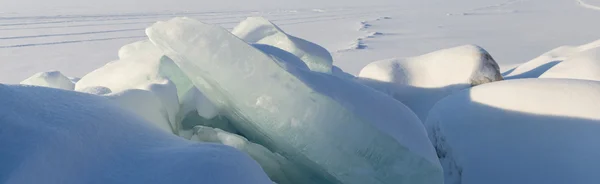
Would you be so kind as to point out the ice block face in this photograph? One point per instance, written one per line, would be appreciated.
(262, 31)
(333, 130)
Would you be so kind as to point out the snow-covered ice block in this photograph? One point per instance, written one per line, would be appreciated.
(421, 81)
(269, 161)
(262, 31)
(53, 79)
(584, 65)
(333, 130)
(282, 57)
(519, 132)
(56, 136)
(141, 65)
(541, 64)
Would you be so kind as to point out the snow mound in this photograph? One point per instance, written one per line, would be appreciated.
(331, 130)
(541, 64)
(70, 137)
(584, 65)
(262, 31)
(520, 132)
(53, 79)
(419, 82)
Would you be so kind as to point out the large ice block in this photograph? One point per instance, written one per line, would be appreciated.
(334, 130)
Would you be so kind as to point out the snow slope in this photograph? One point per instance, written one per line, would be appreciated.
(68, 137)
(76, 37)
(519, 132)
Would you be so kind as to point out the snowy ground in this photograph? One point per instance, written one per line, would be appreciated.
(76, 37)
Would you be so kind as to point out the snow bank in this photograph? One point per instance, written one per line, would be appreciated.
(330, 129)
(69, 137)
(584, 65)
(53, 79)
(519, 132)
(262, 31)
(541, 64)
(419, 82)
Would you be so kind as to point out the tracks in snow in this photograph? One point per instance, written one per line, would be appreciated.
(29, 31)
(359, 43)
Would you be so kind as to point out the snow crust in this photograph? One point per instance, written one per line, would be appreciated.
(519, 131)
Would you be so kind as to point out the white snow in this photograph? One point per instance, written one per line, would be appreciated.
(301, 126)
(144, 70)
(584, 65)
(541, 64)
(419, 82)
(260, 30)
(302, 114)
(59, 136)
(53, 79)
(520, 132)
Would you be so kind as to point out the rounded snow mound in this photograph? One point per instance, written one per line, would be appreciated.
(468, 64)
(541, 64)
(419, 82)
(52, 79)
(70, 137)
(519, 132)
(584, 65)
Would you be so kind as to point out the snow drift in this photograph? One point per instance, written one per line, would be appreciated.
(519, 132)
(419, 82)
(331, 130)
(541, 64)
(584, 65)
(59, 136)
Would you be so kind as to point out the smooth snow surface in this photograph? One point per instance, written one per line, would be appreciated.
(57, 136)
(584, 65)
(260, 30)
(419, 82)
(53, 79)
(333, 130)
(519, 132)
